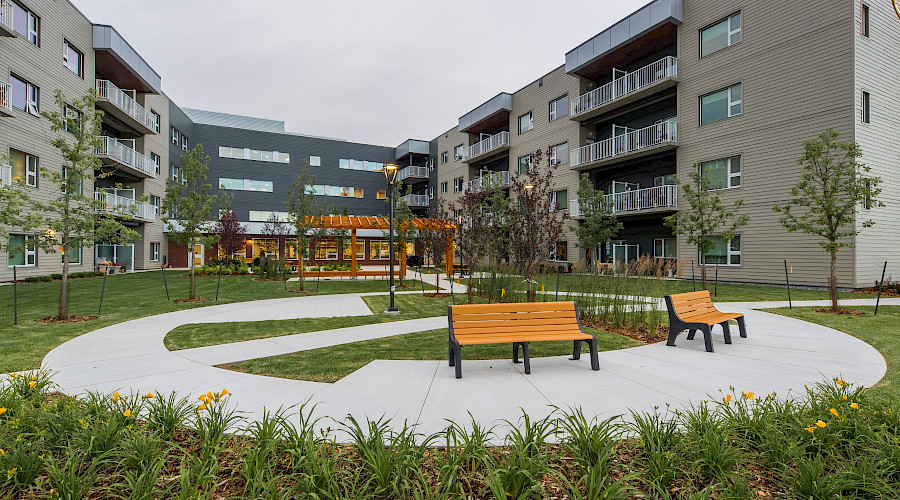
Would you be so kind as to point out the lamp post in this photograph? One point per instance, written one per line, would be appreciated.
(390, 175)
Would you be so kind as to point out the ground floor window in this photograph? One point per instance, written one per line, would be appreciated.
(725, 252)
(115, 254)
(290, 249)
(326, 250)
(560, 251)
(74, 256)
(263, 247)
(665, 248)
(379, 249)
(22, 251)
(154, 252)
(360, 250)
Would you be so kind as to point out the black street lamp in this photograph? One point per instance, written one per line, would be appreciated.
(390, 175)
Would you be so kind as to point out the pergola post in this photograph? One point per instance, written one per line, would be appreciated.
(449, 258)
(353, 272)
(403, 260)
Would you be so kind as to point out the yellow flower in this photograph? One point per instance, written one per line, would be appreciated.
(811, 429)
(224, 392)
(854, 406)
(11, 472)
(31, 384)
(727, 399)
(115, 397)
(748, 395)
(2, 452)
(126, 413)
(2, 411)
(202, 397)
(821, 424)
(201, 407)
(209, 395)
(149, 395)
(834, 412)
(845, 397)
(13, 375)
(840, 382)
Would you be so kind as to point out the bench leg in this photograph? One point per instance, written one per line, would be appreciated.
(673, 334)
(452, 352)
(726, 330)
(576, 351)
(595, 359)
(691, 334)
(527, 358)
(516, 352)
(742, 327)
(458, 356)
(707, 337)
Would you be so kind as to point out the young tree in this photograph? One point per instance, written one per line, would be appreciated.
(435, 236)
(533, 226)
(232, 234)
(473, 230)
(305, 211)
(706, 218)
(71, 219)
(826, 201)
(190, 204)
(404, 223)
(600, 224)
(341, 236)
(276, 233)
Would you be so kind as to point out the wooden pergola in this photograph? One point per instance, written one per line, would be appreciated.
(353, 223)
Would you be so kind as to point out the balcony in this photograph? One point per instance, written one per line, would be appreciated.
(6, 18)
(491, 145)
(5, 99)
(122, 106)
(488, 180)
(417, 200)
(627, 89)
(125, 207)
(635, 144)
(413, 172)
(654, 199)
(5, 175)
(125, 158)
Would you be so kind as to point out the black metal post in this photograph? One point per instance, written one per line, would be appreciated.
(218, 281)
(15, 298)
(557, 285)
(493, 284)
(693, 278)
(452, 297)
(716, 283)
(392, 309)
(162, 269)
(787, 279)
(102, 289)
(880, 285)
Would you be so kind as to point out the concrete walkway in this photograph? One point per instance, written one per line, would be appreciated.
(780, 356)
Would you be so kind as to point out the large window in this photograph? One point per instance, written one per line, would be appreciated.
(245, 185)
(722, 174)
(368, 166)
(665, 248)
(176, 175)
(184, 142)
(559, 107)
(379, 249)
(560, 251)
(265, 215)
(22, 251)
(360, 250)
(73, 59)
(74, 119)
(526, 122)
(25, 96)
(725, 252)
(525, 164)
(24, 167)
(26, 23)
(74, 256)
(724, 33)
(720, 105)
(559, 153)
(326, 250)
(255, 155)
(342, 191)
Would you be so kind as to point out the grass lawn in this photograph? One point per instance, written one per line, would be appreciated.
(879, 331)
(126, 297)
(412, 306)
(330, 364)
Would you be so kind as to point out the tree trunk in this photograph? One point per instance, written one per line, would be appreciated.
(470, 292)
(300, 267)
(703, 274)
(193, 283)
(437, 280)
(63, 312)
(832, 283)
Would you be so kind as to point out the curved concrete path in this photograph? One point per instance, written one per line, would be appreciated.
(780, 355)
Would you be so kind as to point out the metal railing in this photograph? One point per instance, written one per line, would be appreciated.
(488, 180)
(121, 153)
(643, 199)
(491, 143)
(654, 135)
(107, 90)
(6, 13)
(5, 175)
(6, 96)
(666, 67)
(413, 171)
(120, 205)
(417, 200)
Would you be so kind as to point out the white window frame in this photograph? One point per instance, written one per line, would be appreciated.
(184, 142)
(32, 99)
(32, 254)
(157, 121)
(315, 161)
(34, 28)
(32, 167)
(445, 187)
(730, 254)
(458, 152)
(554, 157)
(530, 116)
(66, 48)
(154, 251)
(72, 262)
(431, 193)
(554, 107)
(663, 246)
(157, 162)
(730, 35)
(730, 175)
(176, 135)
(458, 184)
(731, 102)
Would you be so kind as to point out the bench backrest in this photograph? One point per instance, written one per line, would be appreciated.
(486, 319)
(692, 304)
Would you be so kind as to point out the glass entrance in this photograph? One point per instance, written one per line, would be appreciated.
(116, 254)
(624, 252)
(197, 254)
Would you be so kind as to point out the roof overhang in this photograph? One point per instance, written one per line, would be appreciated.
(119, 63)
(411, 146)
(490, 115)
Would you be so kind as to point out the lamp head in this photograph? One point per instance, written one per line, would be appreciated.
(529, 187)
(390, 173)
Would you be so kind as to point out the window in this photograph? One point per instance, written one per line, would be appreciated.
(560, 199)
(154, 252)
(445, 157)
(431, 192)
(360, 250)
(525, 164)
(74, 181)
(184, 142)
(866, 109)
(444, 187)
(22, 251)
(457, 184)
(25, 96)
(253, 154)
(381, 194)
(724, 33)
(664, 180)
(720, 105)
(365, 165)
(722, 174)
(560, 251)
(865, 20)
(73, 59)
(458, 152)
(665, 248)
(26, 23)
(725, 252)
(73, 119)
(246, 185)
(379, 249)
(431, 164)
(176, 175)
(24, 167)
(559, 107)
(326, 250)
(156, 161)
(155, 202)
(526, 122)
(157, 121)
(559, 153)
(74, 256)
(265, 215)
(176, 136)
(315, 161)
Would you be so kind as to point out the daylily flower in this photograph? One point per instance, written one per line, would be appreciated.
(840, 382)
(149, 395)
(845, 397)
(115, 397)
(811, 429)
(2, 452)
(748, 395)
(821, 424)
(209, 395)
(224, 392)
(11, 472)
(834, 412)
(31, 384)
(201, 407)
(2, 411)
(202, 397)
(727, 399)
(13, 375)
(126, 413)
(854, 406)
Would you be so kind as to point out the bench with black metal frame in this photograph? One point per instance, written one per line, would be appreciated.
(694, 311)
(517, 324)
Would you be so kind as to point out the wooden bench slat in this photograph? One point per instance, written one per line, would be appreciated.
(512, 307)
(487, 331)
(696, 311)
(514, 318)
(508, 340)
(511, 324)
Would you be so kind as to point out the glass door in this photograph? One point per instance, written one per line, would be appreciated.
(620, 139)
(196, 253)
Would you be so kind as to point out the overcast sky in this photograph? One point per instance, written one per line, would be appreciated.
(367, 71)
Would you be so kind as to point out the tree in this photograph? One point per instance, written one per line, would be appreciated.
(472, 230)
(189, 205)
(826, 201)
(600, 224)
(404, 223)
(71, 220)
(435, 236)
(276, 232)
(706, 220)
(342, 235)
(305, 212)
(533, 226)
(232, 234)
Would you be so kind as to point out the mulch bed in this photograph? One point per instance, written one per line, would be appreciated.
(888, 291)
(53, 320)
(433, 294)
(305, 290)
(196, 299)
(643, 334)
(844, 312)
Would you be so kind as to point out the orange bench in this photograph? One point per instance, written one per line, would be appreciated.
(519, 324)
(694, 311)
